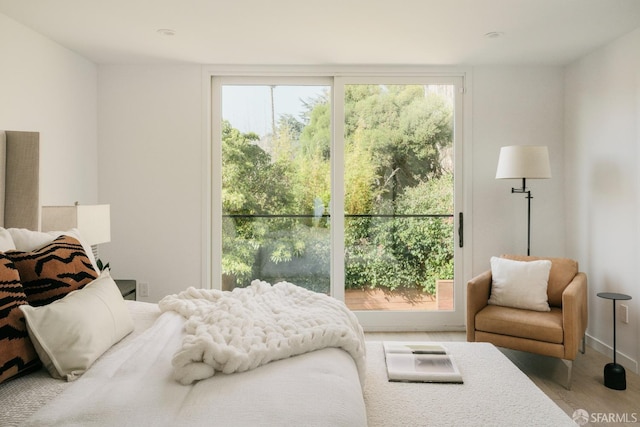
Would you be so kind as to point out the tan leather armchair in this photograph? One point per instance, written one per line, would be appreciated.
(557, 333)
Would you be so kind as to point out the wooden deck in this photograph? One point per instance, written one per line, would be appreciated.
(406, 299)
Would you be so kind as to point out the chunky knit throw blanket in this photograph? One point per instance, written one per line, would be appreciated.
(239, 330)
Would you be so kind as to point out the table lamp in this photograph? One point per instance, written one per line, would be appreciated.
(93, 222)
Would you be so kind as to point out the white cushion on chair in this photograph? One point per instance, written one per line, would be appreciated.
(520, 284)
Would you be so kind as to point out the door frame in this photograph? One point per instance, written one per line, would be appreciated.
(212, 163)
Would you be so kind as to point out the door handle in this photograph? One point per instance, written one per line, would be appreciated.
(460, 229)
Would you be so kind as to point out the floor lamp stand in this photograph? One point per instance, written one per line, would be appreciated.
(524, 190)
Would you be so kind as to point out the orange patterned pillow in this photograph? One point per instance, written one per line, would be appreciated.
(17, 355)
(51, 272)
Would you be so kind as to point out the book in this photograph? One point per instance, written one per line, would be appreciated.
(420, 362)
(413, 347)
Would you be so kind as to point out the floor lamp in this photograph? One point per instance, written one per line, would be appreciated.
(524, 162)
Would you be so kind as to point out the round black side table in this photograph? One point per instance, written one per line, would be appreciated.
(614, 375)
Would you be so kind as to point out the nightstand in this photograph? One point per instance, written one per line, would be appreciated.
(127, 289)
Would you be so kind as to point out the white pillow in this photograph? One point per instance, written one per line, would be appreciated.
(71, 333)
(520, 284)
(6, 241)
(28, 240)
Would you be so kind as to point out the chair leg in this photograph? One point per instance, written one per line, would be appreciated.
(569, 365)
(584, 344)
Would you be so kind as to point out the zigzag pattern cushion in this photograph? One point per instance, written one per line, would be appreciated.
(17, 355)
(54, 270)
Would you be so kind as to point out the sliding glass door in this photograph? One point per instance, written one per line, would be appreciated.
(346, 186)
(276, 184)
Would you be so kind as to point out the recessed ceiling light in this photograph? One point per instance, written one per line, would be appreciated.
(494, 35)
(166, 32)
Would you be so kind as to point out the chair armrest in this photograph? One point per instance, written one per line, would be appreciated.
(478, 290)
(574, 314)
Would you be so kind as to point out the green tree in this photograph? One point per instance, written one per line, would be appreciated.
(404, 128)
(252, 184)
(315, 138)
(395, 139)
(397, 135)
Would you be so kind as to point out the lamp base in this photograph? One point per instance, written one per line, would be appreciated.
(615, 377)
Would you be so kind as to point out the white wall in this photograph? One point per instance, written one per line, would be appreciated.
(150, 159)
(50, 89)
(602, 129)
(516, 106)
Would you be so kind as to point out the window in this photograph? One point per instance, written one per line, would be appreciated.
(343, 185)
(276, 188)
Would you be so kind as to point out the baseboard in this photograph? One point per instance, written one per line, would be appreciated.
(607, 350)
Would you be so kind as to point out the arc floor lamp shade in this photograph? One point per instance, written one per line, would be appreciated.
(524, 162)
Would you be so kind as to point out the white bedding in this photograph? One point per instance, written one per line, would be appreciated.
(133, 386)
(248, 327)
(22, 397)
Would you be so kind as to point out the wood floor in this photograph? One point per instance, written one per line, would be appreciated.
(606, 407)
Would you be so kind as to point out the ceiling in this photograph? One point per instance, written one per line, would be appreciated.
(329, 32)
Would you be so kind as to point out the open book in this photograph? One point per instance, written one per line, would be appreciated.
(420, 362)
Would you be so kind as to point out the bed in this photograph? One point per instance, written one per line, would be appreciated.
(320, 388)
(75, 353)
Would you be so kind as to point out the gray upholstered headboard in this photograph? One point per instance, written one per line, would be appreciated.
(20, 179)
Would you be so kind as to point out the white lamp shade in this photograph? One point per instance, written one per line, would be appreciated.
(523, 161)
(93, 221)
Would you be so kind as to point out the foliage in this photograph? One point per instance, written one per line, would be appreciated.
(402, 251)
(101, 266)
(252, 184)
(395, 140)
